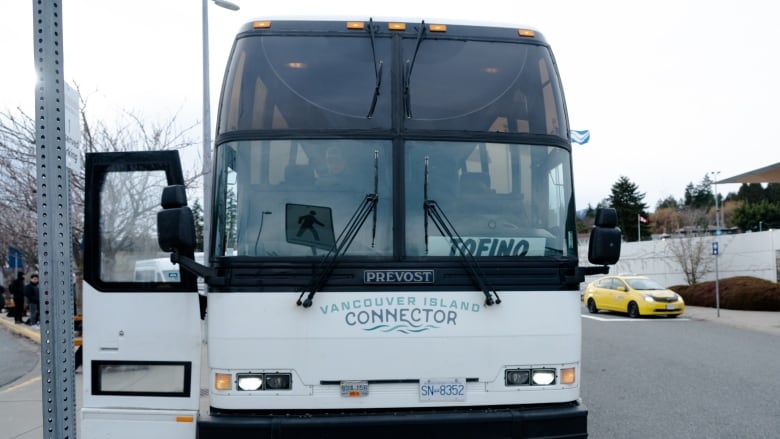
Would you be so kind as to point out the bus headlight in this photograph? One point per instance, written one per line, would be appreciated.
(249, 381)
(278, 381)
(263, 381)
(543, 377)
(517, 377)
(535, 377)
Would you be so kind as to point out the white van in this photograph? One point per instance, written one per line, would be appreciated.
(156, 270)
(159, 269)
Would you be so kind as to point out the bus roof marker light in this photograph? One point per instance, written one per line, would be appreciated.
(437, 27)
(396, 26)
(356, 25)
(261, 24)
(526, 33)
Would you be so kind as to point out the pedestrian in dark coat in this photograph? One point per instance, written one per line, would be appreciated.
(17, 291)
(31, 294)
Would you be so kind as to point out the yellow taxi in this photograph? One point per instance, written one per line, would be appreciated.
(633, 295)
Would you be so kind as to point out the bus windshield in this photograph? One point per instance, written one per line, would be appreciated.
(311, 123)
(502, 199)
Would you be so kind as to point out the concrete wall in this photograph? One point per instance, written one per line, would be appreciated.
(747, 254)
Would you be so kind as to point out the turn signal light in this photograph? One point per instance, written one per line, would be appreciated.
(568, 375)
(222, 381)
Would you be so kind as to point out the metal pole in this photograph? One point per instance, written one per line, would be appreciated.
(717, 255)
(54, 231)
(206, 135)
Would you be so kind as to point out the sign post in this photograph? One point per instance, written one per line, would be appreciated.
(58, 381)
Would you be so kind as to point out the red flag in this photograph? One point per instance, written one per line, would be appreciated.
(642, 219)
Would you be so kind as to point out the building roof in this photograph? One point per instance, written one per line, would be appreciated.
(768, 174)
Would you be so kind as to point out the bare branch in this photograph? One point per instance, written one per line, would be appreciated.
(18, 169)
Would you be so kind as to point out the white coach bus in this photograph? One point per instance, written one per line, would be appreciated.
(393, 247)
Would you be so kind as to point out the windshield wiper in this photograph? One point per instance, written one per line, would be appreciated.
(445, 227)
(409, 65)
(344, 240)
(377, 70)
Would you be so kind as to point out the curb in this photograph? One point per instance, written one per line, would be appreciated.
(21, 329)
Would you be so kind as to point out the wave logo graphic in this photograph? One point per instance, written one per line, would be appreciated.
(582, 137)
(403, 328)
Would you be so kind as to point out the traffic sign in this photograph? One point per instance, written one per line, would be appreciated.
(309, 225)
(15, 260)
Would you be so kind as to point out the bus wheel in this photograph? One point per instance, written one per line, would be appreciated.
(592, 306)
(633, 310)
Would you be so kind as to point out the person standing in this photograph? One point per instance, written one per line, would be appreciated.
(31, 294)
(17, 291)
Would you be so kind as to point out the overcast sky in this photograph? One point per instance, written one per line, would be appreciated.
(670, 89)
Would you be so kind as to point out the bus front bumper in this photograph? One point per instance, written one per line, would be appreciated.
(557, 421)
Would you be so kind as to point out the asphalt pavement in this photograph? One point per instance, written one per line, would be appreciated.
(20, 401)
(763, 321)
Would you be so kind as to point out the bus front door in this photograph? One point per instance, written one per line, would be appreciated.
(141, 334)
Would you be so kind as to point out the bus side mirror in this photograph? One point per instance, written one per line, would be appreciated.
(175, 223)
(605, 238)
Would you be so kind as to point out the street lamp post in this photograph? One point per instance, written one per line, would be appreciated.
(206, 170)
(715, 244)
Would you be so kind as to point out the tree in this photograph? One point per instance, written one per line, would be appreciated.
(692, 254)
(627, 201)
(772, 192)
(699, 196)
(667, 220)
(749, 214)
(197, 213)
(668, 203)
(586, 219)
(751, 192)
(18, 199)
(18, 184)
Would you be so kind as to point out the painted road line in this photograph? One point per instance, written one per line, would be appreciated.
(626, 319)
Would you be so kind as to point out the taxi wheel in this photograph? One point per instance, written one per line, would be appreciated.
(592, 306)
(633, 310)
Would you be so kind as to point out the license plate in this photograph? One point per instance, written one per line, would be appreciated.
(670, 306)
(443, 390)
(353, 389)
